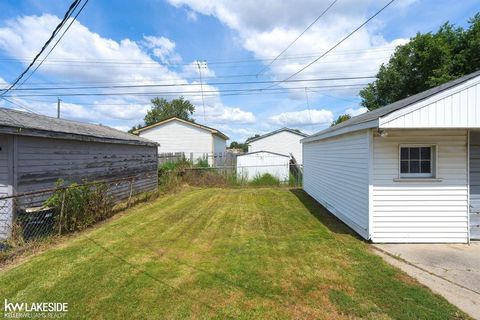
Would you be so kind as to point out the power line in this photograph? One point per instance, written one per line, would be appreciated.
(183, 93)
(19, 105)
(301, 34)
(54, 33)
(191, 84)
(56, 43)
(210, 61)
(340, 42)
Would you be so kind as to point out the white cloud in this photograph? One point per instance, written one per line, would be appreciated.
(221, 114)
(86, 56)
(303, 118)
(192, 16)
(162, 48)
(355, 112)
(265, 28)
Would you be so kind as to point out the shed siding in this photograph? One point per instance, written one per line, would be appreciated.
(457, 109)
(283, 142)
(425, 211)
(336, 174)
(41, 162)
(5, 186)
(176, 136)
(257, 164)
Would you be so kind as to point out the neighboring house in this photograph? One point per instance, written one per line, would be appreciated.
(36, 151)
(255, 164)
(175, 135)
(284, 141)
(406, 172)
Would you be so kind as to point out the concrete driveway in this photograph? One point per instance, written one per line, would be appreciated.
(451, 270)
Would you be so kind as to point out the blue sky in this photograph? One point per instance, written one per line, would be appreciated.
(159, 42)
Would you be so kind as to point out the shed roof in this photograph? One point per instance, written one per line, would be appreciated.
(26, 123)
(278, 131)
(194, 124)
(370, 116)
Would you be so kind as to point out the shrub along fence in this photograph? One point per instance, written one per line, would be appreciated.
(271, 175)
(66, 208)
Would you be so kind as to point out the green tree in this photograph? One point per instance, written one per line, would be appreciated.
(238, 145)
(340, 119)
(163, 109)
(253, 137)
(426, 61)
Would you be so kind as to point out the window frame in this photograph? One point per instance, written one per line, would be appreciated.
(433, 161)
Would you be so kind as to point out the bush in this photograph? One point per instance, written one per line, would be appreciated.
(265, 179)
(83, 206)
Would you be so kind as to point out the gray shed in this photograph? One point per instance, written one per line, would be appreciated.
(36, 151)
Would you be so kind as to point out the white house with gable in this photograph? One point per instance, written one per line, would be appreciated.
(406, 172)
(283, 141)
(175, 135)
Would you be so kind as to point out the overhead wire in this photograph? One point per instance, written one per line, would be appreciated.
(295, 40)
(56, 43)
(52, 36)
(338, 43)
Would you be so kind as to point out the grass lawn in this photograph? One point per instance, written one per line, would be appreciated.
(222, 253)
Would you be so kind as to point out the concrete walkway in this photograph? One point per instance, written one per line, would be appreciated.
(451, 270)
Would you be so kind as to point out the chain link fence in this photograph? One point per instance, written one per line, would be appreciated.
(67, 208)
(259, 175)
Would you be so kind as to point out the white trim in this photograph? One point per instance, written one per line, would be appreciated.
(370, 183)
(418, 179)
(433, 162)
(357, 127)
(468, 186)
(433, 98)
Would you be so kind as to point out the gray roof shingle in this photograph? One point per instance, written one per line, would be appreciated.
(26, 122)
(277, 131)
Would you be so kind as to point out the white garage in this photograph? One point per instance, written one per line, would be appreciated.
(406, 172)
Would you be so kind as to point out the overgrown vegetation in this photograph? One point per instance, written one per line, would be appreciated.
(79, 206)
(265, 179)
(266, 253)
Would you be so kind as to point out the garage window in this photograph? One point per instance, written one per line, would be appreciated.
(417, 161)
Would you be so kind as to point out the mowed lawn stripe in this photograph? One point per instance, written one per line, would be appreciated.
(220, 253)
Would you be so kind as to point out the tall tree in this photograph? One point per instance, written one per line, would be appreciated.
(163, 109)
(426, 61)
(340, 119)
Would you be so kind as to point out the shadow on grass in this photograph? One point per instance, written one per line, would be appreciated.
(329, 220)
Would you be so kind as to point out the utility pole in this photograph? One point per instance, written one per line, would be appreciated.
(58, 108)
(201, 88)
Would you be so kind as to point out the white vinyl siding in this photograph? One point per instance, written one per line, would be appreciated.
(283, 142)
(336, 174)
(176, 136)
(454, 108)
(219, 144)
(423, 209)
